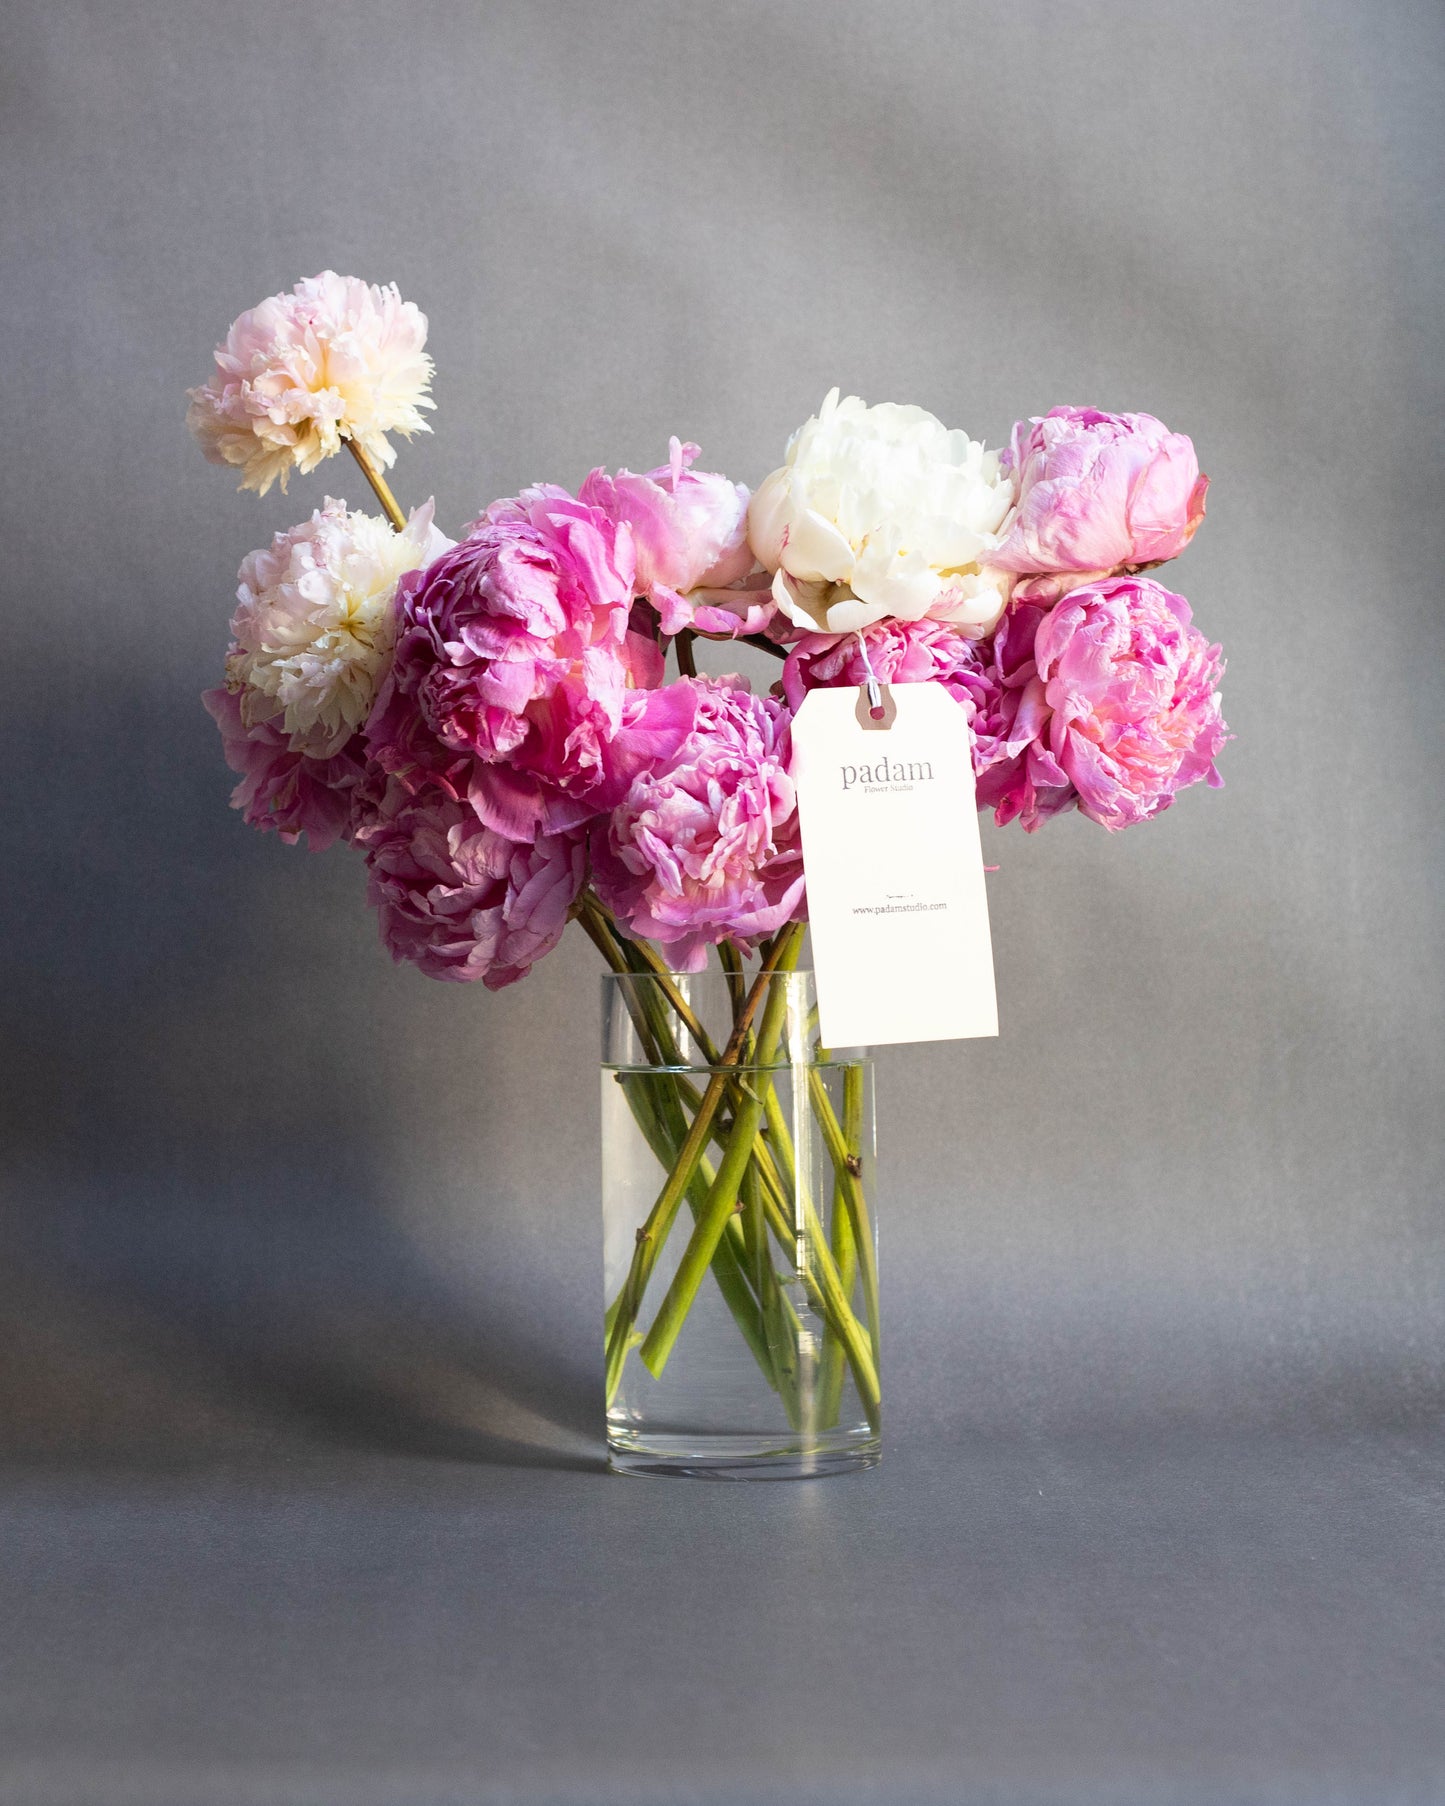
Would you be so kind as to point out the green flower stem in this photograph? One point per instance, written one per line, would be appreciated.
(687, 1096)
(651, 1114)
(371, 470)
(658, 1045)
(733, 1268)
(834, 1357)
(595, 925)
(780, 1321)
(845, 1250)
(853, 1101)
(787, 1199)
(729, 1267)
(680, 1008)
(731, 962)
(654, 1102)
(813, 1257)
(827, 1294)
(641, 958)
(723, 1198)
(702, 1245)
(781, 955)
(848, 1171)
(827, 1297)
(778, 1196)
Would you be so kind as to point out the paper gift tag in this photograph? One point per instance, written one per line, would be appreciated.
(891, 851)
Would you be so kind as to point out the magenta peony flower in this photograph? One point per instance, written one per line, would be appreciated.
(284, 790)
(1117, 706)
(995, 680)
(704, 848)
(335, 359)
(460, 901)
(1097, 493)
(898, 652)
(690, 531)
(1018, 777)
(517, 682)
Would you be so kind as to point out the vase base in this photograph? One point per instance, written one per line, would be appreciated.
(720, 1457)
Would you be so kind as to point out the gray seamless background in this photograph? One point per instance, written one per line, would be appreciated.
(299, 1302)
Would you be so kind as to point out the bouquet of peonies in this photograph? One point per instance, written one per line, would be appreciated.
(492, 723)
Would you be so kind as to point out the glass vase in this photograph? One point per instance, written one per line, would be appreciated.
(741, 1329)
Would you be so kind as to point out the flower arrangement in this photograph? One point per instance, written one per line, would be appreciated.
(492, 723)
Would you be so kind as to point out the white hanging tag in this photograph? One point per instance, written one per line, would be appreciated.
(896, 899)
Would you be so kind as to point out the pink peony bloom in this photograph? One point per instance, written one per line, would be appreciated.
(705, 848)
(1131, 688)
(460, 901)
(1097, 493)
(1018, 777)
(282, 789)
(690, 530)
(898, 652)
(1117, 707)
(995, 680)
(335, 359)
(517, 680)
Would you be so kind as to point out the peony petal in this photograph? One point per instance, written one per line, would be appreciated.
(509, 802)
(804, 604)
(814, 551)
(768, 519)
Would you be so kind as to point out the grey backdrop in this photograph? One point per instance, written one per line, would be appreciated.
(300, 1285)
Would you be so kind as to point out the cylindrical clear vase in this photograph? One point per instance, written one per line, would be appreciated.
(741, 1329)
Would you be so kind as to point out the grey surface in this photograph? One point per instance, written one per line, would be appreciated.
(1201, 1618)
(301, 1257)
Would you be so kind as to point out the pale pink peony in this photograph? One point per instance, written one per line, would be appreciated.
(313, 624)
(1117, 709)
(335, 359)
(690, 531)
(1097, 493)
(460, 901)
(704, 848)
(284, 790)
(1018, 777)
(896, 652)
(517, 682)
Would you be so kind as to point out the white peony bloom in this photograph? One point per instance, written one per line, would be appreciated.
(314, 622)
(883, 512)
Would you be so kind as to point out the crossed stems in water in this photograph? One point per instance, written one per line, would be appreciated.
(755, 1196)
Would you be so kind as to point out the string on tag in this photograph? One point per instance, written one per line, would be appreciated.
(872, 687)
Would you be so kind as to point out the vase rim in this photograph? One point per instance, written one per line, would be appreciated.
(709, 973)
(697, 1012)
